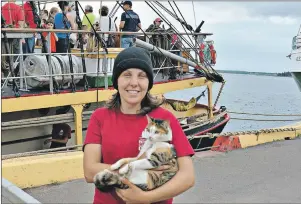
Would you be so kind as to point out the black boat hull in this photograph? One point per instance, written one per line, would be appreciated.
(201, 144)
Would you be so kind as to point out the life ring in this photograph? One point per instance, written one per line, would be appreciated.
(201, 52)
(213, 54)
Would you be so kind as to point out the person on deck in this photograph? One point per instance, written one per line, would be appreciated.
(53, 11)
(29, 45)
(62, 43)
(106, 24)
(13, 15)
(114, 132)
(130, 22)
(155, 26)
(89, 15)
(59, 139)
(53, 37)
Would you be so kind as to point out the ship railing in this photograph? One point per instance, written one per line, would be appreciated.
(21, 33)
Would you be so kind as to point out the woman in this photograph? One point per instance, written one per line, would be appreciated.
(114, 131)
(62, 43)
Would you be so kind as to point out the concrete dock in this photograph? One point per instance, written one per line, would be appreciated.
(265, 173)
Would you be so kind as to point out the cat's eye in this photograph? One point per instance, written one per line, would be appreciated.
(157, 132)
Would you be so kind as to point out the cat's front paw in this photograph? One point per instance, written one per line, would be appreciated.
(126, 169)
(117, 165)
(105, 179)
(114, 167)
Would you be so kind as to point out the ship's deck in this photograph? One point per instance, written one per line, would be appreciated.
(261, 174)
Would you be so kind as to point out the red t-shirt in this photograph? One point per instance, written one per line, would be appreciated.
(29, 18)
(119, 136)
(12, 14)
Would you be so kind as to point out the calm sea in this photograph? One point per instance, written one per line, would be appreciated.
(254, 94)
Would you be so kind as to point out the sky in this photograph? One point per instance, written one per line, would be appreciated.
(249, 36)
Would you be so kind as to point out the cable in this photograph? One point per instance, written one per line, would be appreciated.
(81, 44)
(141, 29)
(65, 19)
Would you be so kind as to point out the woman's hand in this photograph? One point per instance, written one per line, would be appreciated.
(47, 141)
(133, 194)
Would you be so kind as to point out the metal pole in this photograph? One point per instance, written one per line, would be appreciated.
(49, 64)
(157, 50)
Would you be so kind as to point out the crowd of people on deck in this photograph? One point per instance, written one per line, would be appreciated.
(63, 16)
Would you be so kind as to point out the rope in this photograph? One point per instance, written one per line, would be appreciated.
(257, 132)
(194, 14)
(245, 113)
(219, 93)
(299, 119)
(159, 13)
(205, 61)
(205, 148)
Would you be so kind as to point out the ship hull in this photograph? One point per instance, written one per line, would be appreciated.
(31, 137)
(297, 77)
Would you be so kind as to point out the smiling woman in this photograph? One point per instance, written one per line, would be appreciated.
(115, 132)
(133, 78)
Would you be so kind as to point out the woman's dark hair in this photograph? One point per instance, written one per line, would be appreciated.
(62, 4)
(104, 11)
(148, 104)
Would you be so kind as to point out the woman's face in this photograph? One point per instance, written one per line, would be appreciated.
(132, 86)
(158, 23)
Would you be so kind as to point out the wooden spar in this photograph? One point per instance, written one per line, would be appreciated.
(161, 51)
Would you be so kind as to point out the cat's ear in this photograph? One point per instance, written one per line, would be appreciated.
(149, 120)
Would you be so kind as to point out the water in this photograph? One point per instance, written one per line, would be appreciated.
(254, 94)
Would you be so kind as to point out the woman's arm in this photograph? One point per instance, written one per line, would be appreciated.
(72, 21)
(64, 141)
(181, 182)
(92, 165)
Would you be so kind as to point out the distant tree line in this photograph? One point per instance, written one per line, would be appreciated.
(284, 74)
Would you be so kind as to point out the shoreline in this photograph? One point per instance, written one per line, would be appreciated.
(284, 74)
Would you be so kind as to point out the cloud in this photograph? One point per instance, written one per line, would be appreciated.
(284, 9)
(283, 20)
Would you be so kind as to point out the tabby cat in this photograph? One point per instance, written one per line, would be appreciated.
(155, 152)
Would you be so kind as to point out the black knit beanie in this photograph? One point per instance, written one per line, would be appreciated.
(133, 57)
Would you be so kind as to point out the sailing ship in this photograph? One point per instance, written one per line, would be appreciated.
(295, 57)
(78, 82)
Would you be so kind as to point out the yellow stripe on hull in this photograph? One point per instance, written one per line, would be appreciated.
(55, 100)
